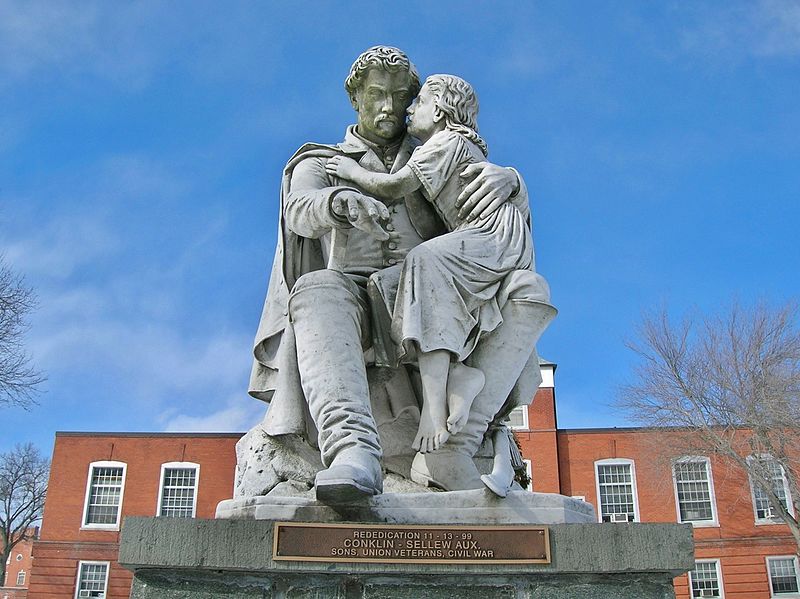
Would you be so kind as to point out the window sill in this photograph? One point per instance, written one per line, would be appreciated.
(107, 527)
(628, 522)
(701, 523)
(775, 522)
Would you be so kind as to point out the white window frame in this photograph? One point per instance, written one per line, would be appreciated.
(91, 563)
(192, 465)
(696, 523)
(768, 559)
(87, 495)
(22, 574)
(616, 462)
(774, 520)
(718, 567)
(525, 421)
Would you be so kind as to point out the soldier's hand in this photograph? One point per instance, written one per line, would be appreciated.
(490, 189)
(362, 212)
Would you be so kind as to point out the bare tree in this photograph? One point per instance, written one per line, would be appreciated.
(733, 382)
(23, 486)
(19, 379)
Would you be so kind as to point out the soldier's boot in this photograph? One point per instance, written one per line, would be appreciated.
(328, 314)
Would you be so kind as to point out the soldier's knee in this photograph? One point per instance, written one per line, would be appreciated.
(321, 279)
(323, 294)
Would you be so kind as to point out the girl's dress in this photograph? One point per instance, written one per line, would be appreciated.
(446, 297)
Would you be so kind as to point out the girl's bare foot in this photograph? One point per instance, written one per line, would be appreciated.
(430, 437)
(432, 433)
(463, 385)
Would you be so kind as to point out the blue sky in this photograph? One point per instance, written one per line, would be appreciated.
(141, 145)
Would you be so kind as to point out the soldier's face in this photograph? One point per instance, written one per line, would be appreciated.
(381, 102)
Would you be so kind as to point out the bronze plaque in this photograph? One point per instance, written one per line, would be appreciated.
(407, 544)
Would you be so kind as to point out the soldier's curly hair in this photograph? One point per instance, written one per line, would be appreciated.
(385, 57)
(457, 101)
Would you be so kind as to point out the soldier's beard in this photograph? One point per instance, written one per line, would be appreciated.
(387, 126)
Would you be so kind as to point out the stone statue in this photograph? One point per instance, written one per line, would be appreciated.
(403, 271)
(446, 295)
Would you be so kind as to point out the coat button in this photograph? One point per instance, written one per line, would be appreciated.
(390, 227)
(392, 245)
(391, 261)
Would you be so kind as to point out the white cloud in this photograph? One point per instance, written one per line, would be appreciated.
(35, 33)
(86, 336)
(58, 247)
(533, 56)
(113, 255)
(150, 357)
(94, 38)
(780, 28)
(129, 43)
(137, 178)
(767, 28)
(236, 417)
(91, 214)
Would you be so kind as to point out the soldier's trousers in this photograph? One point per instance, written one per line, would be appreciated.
(330, 316)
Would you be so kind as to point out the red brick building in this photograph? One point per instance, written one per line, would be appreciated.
(18, 569)
(98, 478)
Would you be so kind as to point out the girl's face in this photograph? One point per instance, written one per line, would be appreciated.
(423, 117)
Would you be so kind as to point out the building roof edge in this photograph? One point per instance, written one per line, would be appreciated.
(143, 434)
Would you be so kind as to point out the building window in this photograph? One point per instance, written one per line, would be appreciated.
(21, 578)
(519, 418)
(694, 491)
(177, 497)
(92, 579)
(104, 495)
(616, 491)
(783, 575)
(705, 579)
(764, 511)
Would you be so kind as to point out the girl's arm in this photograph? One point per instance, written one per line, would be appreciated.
(393, 185)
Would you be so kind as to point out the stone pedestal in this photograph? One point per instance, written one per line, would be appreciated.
(455, 507)
(204, 559)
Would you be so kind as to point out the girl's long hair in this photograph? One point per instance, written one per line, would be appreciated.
(456, 99)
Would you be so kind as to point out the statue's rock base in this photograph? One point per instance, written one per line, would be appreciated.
(204, 559)
(455, 507)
